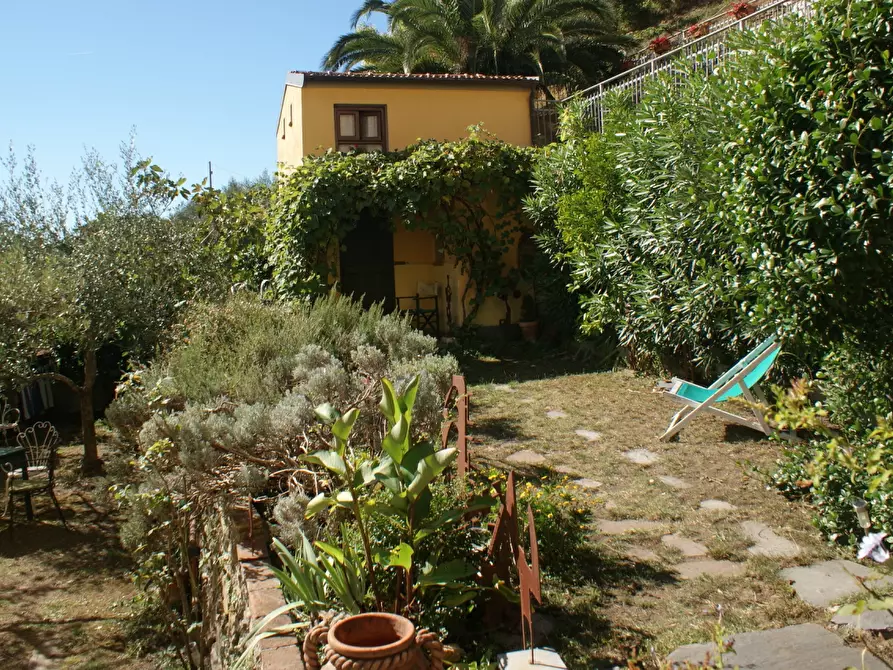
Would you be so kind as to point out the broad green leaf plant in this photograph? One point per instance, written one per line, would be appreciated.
(395, 484)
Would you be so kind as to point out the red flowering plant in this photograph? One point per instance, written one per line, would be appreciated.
(697, 30)
(660, 45)
(741, 9)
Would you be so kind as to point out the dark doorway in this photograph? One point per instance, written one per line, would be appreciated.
(367, 263)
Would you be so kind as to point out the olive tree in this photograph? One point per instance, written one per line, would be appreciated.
(106, 264)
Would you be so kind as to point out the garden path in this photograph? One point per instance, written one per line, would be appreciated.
(680, 530)
(64, 594)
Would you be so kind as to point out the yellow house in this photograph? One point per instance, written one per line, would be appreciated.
(373, 111)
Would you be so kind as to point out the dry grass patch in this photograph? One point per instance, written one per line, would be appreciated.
(64, 593)
(621, 604)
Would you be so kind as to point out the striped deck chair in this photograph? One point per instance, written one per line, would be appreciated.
(740, 380)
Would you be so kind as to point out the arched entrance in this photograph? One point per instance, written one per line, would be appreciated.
(367, 263)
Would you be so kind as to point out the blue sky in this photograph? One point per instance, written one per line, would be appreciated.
(199, 81)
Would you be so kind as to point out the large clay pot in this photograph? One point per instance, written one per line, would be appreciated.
(373, 641)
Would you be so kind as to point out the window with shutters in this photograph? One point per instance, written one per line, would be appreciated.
(361, 128)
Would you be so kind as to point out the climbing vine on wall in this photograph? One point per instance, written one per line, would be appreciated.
(467, 193)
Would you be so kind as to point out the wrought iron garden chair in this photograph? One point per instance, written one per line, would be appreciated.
(41, 443)
(424, 308)
(9, 421)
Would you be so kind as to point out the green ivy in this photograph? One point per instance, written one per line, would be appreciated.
(467, 193)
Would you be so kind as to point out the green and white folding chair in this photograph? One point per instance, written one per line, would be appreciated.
(740, 380)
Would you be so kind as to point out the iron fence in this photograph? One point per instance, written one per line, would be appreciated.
(703, 54)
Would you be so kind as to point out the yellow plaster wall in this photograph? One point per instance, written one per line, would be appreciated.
(415, 261)
(415, 112)
(290, 131)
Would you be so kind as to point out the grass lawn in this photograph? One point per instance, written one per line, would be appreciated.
(64, 593)
(629, 596)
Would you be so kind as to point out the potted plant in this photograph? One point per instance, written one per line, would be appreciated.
(660, 45)
(697, 30)
(741, 9)
(529, 323)
(373, 639)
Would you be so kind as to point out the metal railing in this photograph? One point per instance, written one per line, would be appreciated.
(715, 23)
(703, 54)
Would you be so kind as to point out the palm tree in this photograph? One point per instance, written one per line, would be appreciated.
(567, 43)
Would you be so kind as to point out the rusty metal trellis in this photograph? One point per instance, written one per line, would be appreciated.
(504, 543)
(505, 547)
(529, 576)
(457, 394)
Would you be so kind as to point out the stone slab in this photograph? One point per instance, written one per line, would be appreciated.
(642, 456)
(505, 388)
(642, 554)
(807, 645)
(876, 620)
(520, 660)
(526, 457)
(689, 548)
(768, 542)
(709, 568)
(556, 414)
(717, 505)
(590, 435)
(567, 470)
(822, 584)
(674, 482)
(587, 483)
(608, 527)
(281, 658)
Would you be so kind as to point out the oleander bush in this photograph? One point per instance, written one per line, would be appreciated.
(714, 212)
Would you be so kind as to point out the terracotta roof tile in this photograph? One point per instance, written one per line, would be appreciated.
(399, 76)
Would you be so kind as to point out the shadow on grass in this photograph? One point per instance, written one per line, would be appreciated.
(89, 546)
(575, 594)
(497, 428)
(736, 433)
(499, 364)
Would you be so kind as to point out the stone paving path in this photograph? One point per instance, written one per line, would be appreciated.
(642, 456)
(674, 482)
(824, 583)
(807, 646)
(821, 585)
(717, 505)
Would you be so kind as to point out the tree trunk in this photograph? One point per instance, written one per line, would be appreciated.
(91, 463)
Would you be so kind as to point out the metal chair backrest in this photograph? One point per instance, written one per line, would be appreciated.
(9, 420)
(40, 442)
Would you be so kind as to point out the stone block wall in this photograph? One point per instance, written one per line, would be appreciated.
(239, 590)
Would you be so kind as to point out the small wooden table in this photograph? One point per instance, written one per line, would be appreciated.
(15, 458)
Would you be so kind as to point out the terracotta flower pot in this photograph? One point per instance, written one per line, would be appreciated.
(529, 330)
(373, 641)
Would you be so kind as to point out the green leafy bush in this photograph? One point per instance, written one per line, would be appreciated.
(226, 415)
(283, 359)
(716, 211)
(391, 555)
(447, 188)
(833, 468)
(856, 383)
(560, 517)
